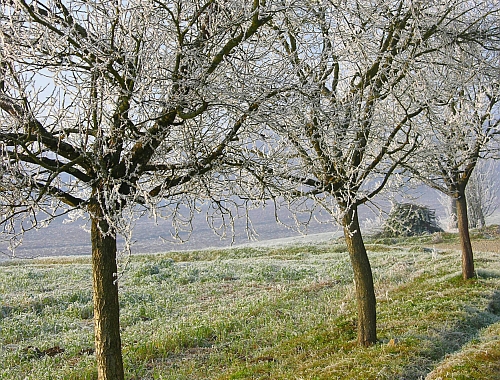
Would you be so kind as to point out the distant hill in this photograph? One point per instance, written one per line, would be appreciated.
(70, 239)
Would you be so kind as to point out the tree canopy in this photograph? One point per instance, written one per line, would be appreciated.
(113, 109)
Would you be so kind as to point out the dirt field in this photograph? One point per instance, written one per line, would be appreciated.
(488, 242)
(477, 246)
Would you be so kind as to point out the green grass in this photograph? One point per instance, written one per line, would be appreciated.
(258, 313)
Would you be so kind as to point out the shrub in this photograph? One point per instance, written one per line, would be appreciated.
(407, 219)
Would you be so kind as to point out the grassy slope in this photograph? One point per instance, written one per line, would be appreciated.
(261, 313)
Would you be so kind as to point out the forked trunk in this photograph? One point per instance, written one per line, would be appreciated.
(365, 292)
(463, 231)
(106, 308)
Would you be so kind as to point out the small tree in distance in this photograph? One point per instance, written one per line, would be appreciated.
(450, 209)
(108, 109)
(482, 193)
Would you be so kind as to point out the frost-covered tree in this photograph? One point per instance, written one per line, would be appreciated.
(341, 135)
(460, 123)
(482, 193)
(110, 109)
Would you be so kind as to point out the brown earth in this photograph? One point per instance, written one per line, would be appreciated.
(486, 239)
(477, 246)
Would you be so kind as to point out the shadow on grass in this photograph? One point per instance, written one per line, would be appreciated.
(439, 343)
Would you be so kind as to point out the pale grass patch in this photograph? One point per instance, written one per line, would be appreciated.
(251, 313)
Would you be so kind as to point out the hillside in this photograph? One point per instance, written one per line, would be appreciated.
(70, 239)
(283, 312)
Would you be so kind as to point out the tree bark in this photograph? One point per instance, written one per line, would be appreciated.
(365, 292)
(463, 231)
(106, 307)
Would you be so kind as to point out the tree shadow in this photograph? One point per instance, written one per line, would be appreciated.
(439, 343)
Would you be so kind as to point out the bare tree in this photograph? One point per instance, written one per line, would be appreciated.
(110, 109)
(459, 125)
(481, 193)
(450, 209)
(341, 135)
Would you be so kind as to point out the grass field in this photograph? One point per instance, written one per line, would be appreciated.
(262, 313)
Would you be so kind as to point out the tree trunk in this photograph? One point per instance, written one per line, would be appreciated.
(106, 307)
(453, 216)
(473, 206)
(463, 231)
(481, 221)
(365, 292)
